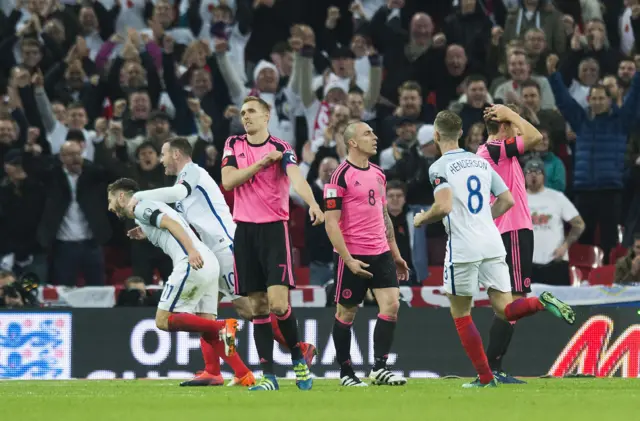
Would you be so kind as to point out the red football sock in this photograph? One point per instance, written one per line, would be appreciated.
(277, 335)
(185, 322)
(472, 343)
(235, 362)
(209, 354)
(522, 307)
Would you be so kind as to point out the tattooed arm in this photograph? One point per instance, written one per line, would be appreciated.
(391, 236)
(402, 270)
(577, 228)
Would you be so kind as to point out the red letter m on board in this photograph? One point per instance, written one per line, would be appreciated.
(588, 352)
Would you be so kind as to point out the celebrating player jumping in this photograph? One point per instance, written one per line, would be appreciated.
(192, 287)
(462, 185)
(366, 255)
(258, 167)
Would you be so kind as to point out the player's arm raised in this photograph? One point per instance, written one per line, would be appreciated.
(165, 222)
(303, 189)
(504, 199)
(333, 206)
(530, 135)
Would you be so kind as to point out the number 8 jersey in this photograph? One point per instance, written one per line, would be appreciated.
(360, 195)
(473, 236)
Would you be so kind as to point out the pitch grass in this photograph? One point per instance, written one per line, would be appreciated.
(436, 399)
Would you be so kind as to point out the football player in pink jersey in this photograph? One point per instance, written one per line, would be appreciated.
(510, 136)
(258, 168)
(365, 253)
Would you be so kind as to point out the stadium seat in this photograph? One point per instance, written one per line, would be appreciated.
(120, 275)
(435, 277)
(616, 253)
(575, 276)
(302, 275)
(604, 275)
(586, 257)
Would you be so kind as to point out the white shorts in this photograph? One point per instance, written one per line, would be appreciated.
(464, 279)
(192, 291)
(227, 280)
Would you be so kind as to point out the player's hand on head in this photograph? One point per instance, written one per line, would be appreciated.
(316, 215)
(402, 269)
(358, 268)
(195, 259)
(498, 112)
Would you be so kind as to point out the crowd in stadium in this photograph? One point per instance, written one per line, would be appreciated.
(92, 89)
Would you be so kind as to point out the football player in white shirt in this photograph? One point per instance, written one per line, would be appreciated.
(190, 295)
(199, 199)
(462, 185)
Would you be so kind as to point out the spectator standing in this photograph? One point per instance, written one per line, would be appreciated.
(600, 149)
(74, 224)
(520, 70)
(555, 176)
(538, 14)
(22, 198)
(550, 209)
(549, 118)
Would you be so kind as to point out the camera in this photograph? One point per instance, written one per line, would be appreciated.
(24, 288)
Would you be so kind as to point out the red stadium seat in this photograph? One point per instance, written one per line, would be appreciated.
(575, 276)
(435, 277)
(616, 253)
(302, 275)
(604, 275)
(120, 275)
(586, 257)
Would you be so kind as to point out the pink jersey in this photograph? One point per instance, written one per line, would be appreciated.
(360, 193)
(503, 157)
(265, 197)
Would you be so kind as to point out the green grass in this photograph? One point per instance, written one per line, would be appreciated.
(437, 400)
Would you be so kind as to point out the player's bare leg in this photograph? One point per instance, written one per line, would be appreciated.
(243, 308)
(342, 342)
(471, 340)
(389, 303)
(212, 330)
(279, 306)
